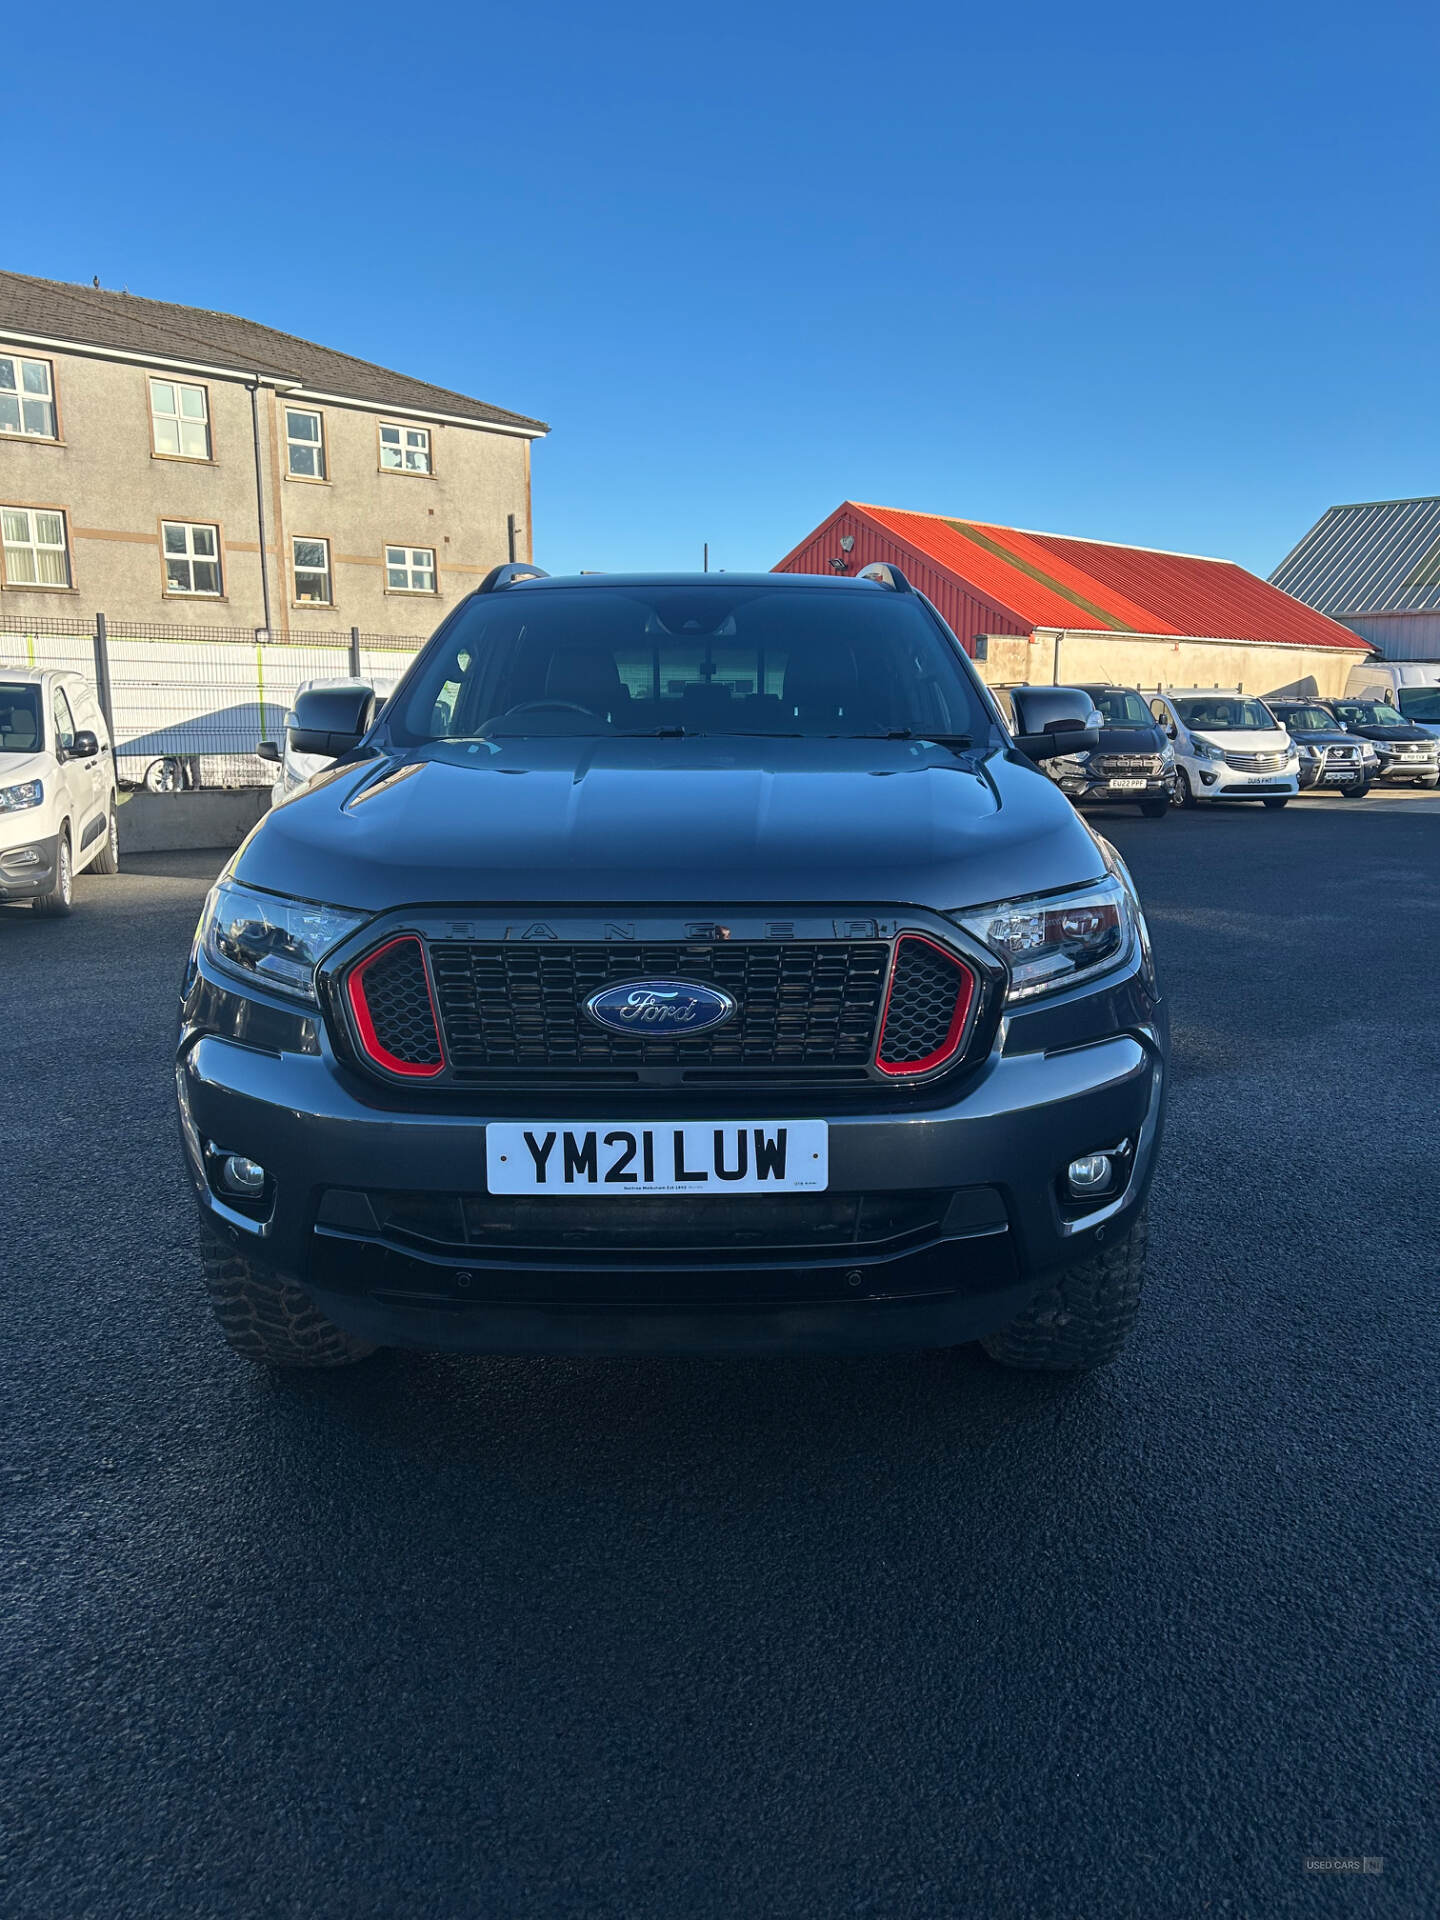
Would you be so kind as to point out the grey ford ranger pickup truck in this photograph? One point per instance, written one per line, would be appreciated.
(676, 964)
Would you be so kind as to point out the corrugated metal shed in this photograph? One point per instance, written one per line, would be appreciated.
(999, 580)
(1378, 556)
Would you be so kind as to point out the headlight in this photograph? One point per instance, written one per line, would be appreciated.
(1056, 940)
(29, 793)
(1206, 751)
(1071, 762)
(268, 939)
(1167, 758)
(1308, 753)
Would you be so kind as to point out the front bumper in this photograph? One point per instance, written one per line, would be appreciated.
(1159, 786)
(1405, 770)
(1315, 777)
(1080, 1075)
(28, 867)
(1213, 781)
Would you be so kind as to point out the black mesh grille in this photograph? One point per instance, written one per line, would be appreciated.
(394, 989)
(928, 983)
(799, 1003)
(659, 1223)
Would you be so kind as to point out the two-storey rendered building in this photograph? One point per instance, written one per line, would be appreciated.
(164, 464)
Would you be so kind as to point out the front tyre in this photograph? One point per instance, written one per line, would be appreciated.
(1356, 790)
(1430, 780)
(270, 1320)
(1184, 792)
(1154, 809)
(61, 897)
(1084, 1317)
(1283, 800)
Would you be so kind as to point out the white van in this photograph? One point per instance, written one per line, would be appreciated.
(57, 789)
(1411, 685)
(1228, 746)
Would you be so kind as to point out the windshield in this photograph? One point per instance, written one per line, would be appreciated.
(692, 659)
(1420, 703)
(1220, 714)
(1368, 713)
(1121, 708)
(20, 730)
(1306, 719)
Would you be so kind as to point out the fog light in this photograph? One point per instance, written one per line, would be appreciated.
(242, 1176)
(1089, 1174)
(23, 857)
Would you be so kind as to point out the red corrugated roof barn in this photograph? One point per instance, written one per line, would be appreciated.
(999, 581)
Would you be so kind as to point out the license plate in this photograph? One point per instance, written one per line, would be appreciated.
(740, 1156)
(1127, 786)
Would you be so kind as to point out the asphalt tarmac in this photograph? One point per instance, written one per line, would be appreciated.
(878, 1637)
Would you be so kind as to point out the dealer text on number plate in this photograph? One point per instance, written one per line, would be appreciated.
(741, 1156)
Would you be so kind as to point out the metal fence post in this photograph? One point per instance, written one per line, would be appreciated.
(102, 675)
(355, 652)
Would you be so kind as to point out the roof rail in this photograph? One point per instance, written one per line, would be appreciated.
(507, 575)
(884, 575)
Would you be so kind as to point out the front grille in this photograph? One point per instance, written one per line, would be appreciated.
(929, 998)
(800, 1004)
(1118, 765)
(1346, 756)
(390, 997)
(1256, 762)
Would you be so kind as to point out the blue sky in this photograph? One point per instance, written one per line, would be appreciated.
(1142, 273)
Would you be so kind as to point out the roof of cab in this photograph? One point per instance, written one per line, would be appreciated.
(788, 582)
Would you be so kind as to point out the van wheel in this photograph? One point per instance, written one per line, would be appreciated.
(270, 1320)
(1084, 1317)
(165, 776)
(1275, 805)
(1184, 792)
(1154, 809)
(61, 896)
(108, 858)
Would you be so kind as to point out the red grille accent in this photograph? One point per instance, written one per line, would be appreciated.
(394, 1007)
(927, 1005)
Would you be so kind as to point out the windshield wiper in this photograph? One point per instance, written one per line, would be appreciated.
(912, 733)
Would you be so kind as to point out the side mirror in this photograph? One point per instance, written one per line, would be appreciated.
(83, 747)
(330, 720)
(268, 750)
(1050, 721)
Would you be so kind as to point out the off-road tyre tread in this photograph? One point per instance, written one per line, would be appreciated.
(271, 1321)
(1084, 1318)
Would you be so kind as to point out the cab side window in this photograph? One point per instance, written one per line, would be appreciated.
(64, 722)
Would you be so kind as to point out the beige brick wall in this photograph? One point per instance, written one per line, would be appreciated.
(115, 491)
(1149, 663)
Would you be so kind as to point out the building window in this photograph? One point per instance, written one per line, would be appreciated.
(36, 553)
(180, 420)
(312, 571)
(410, 569)
(304, 444)
(192, 557)
(405, 449)
(27, 397)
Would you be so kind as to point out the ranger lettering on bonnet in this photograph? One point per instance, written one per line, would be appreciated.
(844, 1021)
